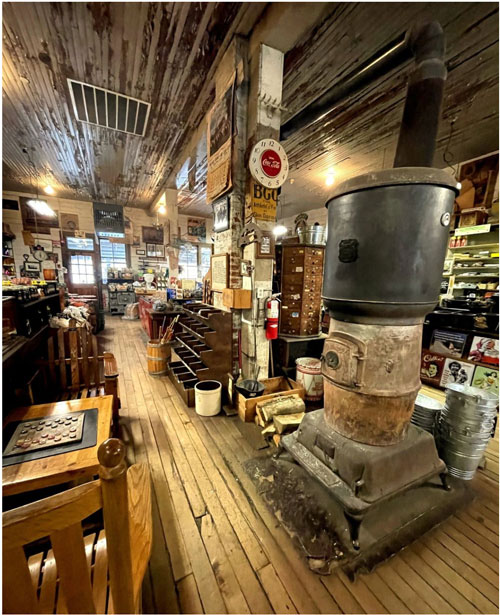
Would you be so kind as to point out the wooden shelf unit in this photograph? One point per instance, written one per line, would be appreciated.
(204, 349)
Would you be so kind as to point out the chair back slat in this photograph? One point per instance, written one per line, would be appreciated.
(51, 360)
(62, 356)
(95, 361)
(74, 576)
(18, 595)
(73, 355)
(49, 583)
(85, 356)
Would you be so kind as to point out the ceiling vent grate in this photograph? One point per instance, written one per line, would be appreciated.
(101, 107)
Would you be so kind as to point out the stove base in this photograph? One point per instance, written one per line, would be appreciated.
(361, 476)
(316, 521)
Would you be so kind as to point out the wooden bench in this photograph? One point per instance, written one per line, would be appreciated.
(74, 369)
(98, 573)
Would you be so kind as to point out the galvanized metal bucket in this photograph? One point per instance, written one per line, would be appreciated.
(426, 413)
(465, 427)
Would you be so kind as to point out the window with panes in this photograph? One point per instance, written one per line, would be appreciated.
(113, 256)
(194, 261)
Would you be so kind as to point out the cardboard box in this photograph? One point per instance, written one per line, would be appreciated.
(237, 298)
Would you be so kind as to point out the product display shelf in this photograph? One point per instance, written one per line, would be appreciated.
(476, 273)
(204, 349)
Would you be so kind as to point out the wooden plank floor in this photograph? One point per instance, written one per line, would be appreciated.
(218, 549)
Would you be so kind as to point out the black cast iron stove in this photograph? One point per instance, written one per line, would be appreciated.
(387, 239)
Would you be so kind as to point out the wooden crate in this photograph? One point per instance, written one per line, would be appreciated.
(274, 388)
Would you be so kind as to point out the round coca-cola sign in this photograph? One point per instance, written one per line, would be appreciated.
(269, 163)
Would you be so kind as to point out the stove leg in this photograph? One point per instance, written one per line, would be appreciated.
(444, 481)
(279, 452)
(354, 525)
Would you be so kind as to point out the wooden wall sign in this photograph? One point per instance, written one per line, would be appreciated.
(152, 234)
(219, 267)
(69, 222)
(219, 144)
(261, 202)
(197, 228)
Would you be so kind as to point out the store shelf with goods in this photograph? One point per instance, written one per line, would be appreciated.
(475, 247)
(203, 348)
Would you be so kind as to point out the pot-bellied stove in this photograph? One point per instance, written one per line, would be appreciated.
(387, 238)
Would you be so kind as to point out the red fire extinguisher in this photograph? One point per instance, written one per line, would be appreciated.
(272, 318)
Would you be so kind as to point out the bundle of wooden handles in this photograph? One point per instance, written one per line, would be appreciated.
(169, 332)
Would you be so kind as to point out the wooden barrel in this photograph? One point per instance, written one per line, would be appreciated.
(157, 356)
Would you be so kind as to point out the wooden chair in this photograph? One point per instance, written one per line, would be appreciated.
(74, 369)
(98, 573)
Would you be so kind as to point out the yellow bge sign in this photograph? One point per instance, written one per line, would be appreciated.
(261, 202)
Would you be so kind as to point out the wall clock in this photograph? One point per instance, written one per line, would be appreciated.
(39, 254)
(269, 163)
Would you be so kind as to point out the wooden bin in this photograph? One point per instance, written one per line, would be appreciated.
(157, 356)
(274, 387)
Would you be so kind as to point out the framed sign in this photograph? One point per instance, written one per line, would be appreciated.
(154, 250)
(197, 228)
(140, 252)
(221, 214)
(219, 266)
(269, 163)
(265, 247)
(219, 144)
(152, 234)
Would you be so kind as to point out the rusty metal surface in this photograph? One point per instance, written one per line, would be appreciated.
(371, 380)
(162, 53)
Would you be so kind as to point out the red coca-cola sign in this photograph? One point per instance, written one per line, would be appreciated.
(270, 163)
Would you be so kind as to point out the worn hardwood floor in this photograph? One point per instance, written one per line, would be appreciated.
(218, 549)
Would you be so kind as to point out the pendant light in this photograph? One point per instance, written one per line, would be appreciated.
(279, 229)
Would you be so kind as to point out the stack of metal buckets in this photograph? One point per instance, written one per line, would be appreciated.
(464, 428)
(426, 413)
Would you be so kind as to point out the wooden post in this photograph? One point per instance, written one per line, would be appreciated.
(113, 473)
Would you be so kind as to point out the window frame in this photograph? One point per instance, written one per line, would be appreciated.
(115, 264)
(199, 247)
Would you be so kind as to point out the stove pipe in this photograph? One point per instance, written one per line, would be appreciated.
(387, 238)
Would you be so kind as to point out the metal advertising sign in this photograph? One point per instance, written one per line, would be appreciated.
(261, 202)
(269, 163)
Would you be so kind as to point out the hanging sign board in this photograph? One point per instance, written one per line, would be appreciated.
(261, 202)
(219, 144)
(269, 163)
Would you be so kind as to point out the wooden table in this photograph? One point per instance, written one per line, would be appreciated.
(38, 473)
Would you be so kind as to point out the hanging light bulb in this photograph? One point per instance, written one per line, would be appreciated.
(49, 190)
(162, 210)
(280, 230)
(41, 207)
